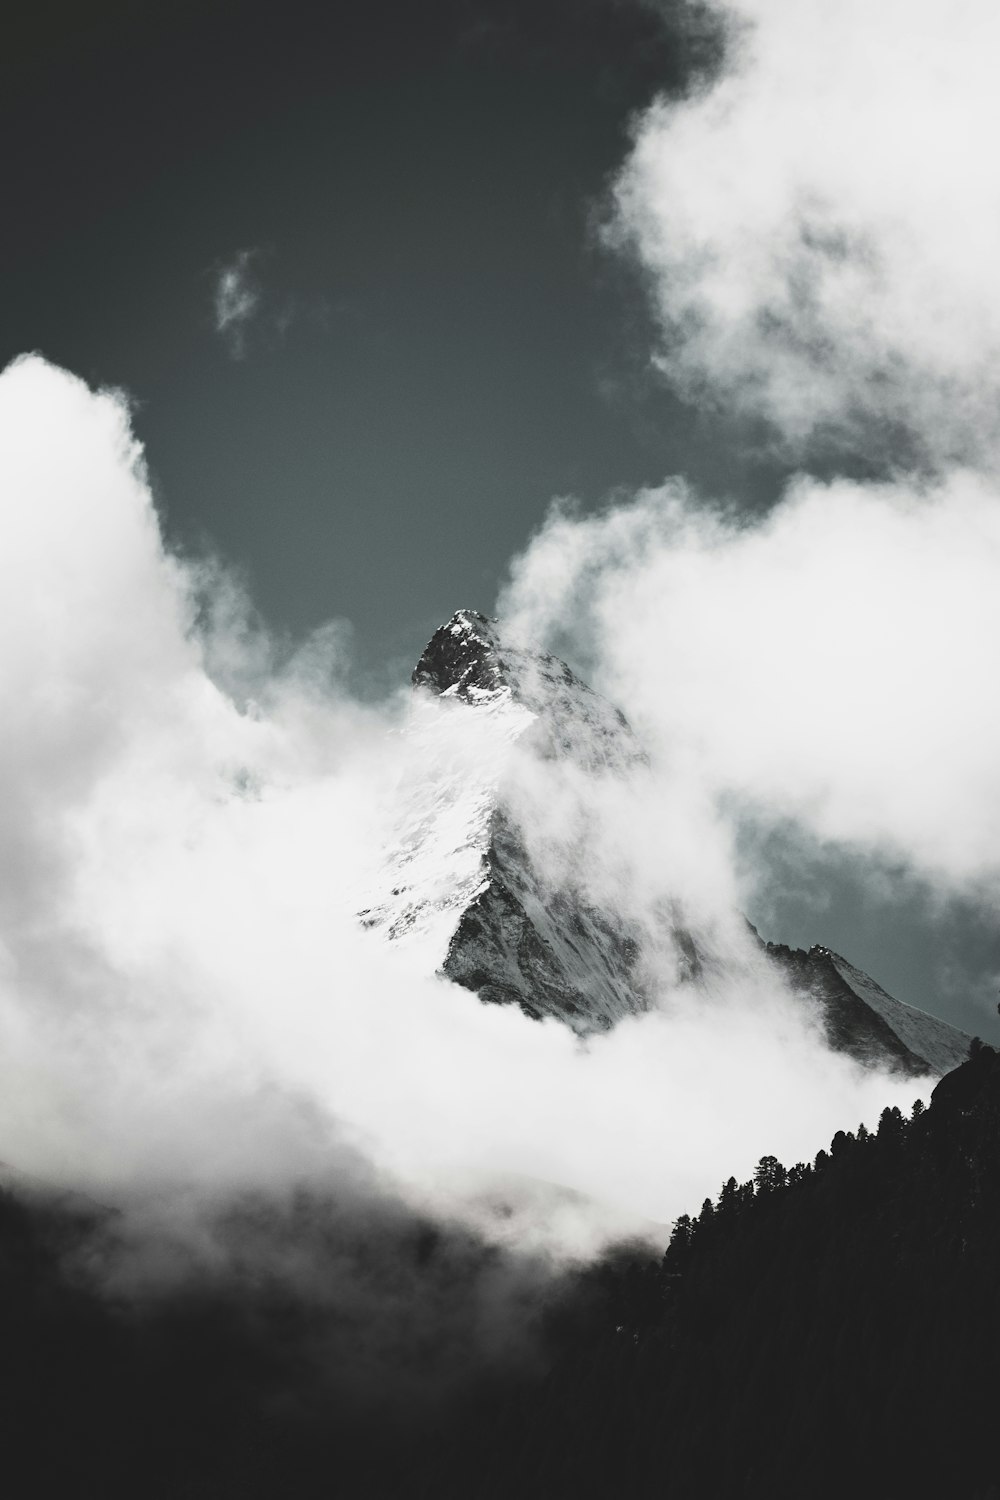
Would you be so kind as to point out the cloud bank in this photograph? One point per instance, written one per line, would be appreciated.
(188, 1004)
(817, 228)
(830, 664)
(820, 232)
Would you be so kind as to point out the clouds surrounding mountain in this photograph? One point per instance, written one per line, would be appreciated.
(183, 962)
(343, 1027)
(505, 873)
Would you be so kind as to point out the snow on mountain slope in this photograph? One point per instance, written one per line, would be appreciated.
(863, 1020)
(436, 863)
(944, 1047)
(460, 885)
(458, 879)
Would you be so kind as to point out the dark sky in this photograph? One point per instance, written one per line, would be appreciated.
(441, 343)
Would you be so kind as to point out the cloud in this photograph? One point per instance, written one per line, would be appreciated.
(237, 299)
(241, 303)
(188, 1005)
(819, 228)
(829, 665)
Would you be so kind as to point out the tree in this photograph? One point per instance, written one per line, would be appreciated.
(770, 1175)
(890, 1124)
(678, 1252)
(729, 1198)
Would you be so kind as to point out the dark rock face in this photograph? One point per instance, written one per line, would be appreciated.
(463, 657)
(552, 955)
(468, 660)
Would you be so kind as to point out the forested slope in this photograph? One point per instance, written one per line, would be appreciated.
(825, 1330)
(831, 1329)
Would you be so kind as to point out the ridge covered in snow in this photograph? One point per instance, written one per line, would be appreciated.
(927, 1037)
(459, 881)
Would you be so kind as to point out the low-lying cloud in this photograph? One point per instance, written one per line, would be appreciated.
(188, 1004)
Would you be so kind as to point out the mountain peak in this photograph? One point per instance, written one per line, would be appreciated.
(463, 658)
(472, 658)
(461, 873)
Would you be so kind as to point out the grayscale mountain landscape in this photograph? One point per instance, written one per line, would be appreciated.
(462, 871)
(546, 1047)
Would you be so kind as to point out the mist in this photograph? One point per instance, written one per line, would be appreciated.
(190, 1007)
(282, 1207)
(826, 665)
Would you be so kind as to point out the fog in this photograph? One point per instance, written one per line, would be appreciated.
(195, 811)
(190, 1008)
(827, 664)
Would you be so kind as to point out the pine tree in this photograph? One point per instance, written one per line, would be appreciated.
(770, 1175)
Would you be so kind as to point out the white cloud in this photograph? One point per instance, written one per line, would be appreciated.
(821, 226)
(830, 664)
(186, 999)
(236, 301)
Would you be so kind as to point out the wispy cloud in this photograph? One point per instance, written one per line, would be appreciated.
(237, 300)
(249, 313)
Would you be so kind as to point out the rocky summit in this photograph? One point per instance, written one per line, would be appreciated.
(460, 877)
(467, 659)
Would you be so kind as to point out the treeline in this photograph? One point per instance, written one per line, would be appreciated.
(828, 1329)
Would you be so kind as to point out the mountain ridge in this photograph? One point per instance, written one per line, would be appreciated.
(509, 935)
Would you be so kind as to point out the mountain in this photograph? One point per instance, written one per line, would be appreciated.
(862, 1019)
(500, 910)
(458, 877)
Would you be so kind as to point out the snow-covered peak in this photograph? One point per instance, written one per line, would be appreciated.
(472, 659)
(459, 884)
(464, 659)
(508, 755)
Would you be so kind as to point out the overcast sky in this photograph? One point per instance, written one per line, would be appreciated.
(351, 266)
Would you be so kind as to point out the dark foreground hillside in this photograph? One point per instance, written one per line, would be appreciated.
(828, 1330)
